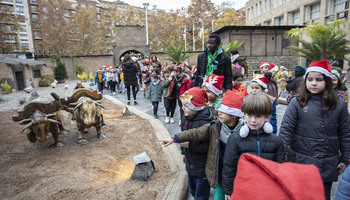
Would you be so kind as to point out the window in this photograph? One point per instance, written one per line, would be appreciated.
(34, 16)
(260, 8)
(23, 28)
(248, 13)
(98, 17)
(83, 5)
(66, 19)
(9, 1)
(279, 21)
(74, 6)
(315, 11)
(36, 73)
(339, 5)
(37, 35)
(33, 1)
(19, 1)
(45, 9)
(19, 9)
(267, 23)
(25, 46)
(295, 17)
(256, 10)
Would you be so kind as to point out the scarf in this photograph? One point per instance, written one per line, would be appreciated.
(211, 60)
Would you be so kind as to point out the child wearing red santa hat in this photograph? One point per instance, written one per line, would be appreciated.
(217, 133)
(213, 88)
(253, 136)
(316, 126)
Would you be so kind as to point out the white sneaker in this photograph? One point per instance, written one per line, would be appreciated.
(167, 120)
(180, 123)
(113, 93)
(172, 120)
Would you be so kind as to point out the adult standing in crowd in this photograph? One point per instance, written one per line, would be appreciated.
(157, 66)
(214, 61)
(130, 77)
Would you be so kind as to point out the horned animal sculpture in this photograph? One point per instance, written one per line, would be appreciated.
(40, 118)
(85, 106)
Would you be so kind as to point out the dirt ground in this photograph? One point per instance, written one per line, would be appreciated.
(99, 170)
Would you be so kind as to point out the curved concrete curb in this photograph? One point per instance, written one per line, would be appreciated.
(177, 189)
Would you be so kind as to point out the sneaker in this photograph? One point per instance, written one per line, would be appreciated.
(179, 122)
(172, 120)
(128, 103)
(113, 93)
(155, 116)
(167, 120)
(135, 102)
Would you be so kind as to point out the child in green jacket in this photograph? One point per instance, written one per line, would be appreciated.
(154, 93)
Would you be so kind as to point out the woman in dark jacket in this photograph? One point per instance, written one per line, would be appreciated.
(130, 77)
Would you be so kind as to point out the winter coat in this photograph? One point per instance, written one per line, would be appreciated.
(130, 70)
(272, 90)
(241, 89)
(196, 153)
(166, 85)
(96, 78)
(185, 85)
(344, 186)
(268, 146)
(154, 92)
(273, 117)
(223, 68)
(311, 136)
(208, 132)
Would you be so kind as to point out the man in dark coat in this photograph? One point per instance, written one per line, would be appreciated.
(214, 61)
(130, 77)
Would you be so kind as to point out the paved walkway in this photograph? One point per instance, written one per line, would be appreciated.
(146, 106)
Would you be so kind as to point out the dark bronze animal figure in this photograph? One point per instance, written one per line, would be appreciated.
(40, 118)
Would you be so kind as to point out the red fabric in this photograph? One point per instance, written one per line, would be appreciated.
(215, 80)
(263, 63)
(199, 96)
(272, 65)
(323, 64)
(185, 85)
(241, 89)
(232, 99)
(258, 178)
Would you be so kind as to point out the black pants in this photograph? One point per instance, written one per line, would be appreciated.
(182, 114)
(170, 108)
(327, 189)
(133, 91)
(155, 107)
(112, 85)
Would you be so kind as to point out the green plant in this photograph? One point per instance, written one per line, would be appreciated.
(324, 42)
(78, 68)
(232, 46)
(91, 77)
(82, 76)
(60, 71)
(6, 88)
(177, 54)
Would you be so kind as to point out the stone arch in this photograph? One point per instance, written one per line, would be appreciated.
(133, 53)
(121, 51)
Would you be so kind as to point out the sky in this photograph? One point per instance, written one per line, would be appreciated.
(174, 4)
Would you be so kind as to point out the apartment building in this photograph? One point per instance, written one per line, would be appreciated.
(24, 37)
(295, 12)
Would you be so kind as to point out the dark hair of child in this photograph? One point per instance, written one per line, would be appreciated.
(257, 104)
(236, 74)
(155, 76)
(339, 85)
(329, 95)
(234, 52)
(178, 69)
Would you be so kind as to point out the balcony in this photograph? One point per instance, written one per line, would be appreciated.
(344, 14)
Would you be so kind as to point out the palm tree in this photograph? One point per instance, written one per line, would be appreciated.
(232, 46)
(177, 54)
(327, 41)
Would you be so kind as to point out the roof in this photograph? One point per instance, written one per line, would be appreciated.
(228, 28)
(17, 61)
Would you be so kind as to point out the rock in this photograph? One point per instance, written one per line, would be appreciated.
(143, 171)
(28, 89)
(46, 80)
(13, 90)
(53, 85)
(34, 95)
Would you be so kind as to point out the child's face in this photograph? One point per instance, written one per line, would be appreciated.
(154, 80)
(335, 81)
(188, 112)
(211, 95)
(238, 81)
(166, 74)
(315, 83)
(256, 87)
(255, 122)
(264, 69)
(226, 118)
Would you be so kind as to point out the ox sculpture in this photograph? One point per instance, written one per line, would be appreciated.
(40, 118)
(86, 109)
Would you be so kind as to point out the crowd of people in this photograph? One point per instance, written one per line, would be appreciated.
(221, 122)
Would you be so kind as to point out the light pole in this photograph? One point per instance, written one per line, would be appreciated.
(146, 8)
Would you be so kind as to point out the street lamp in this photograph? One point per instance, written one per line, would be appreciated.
(146, 6)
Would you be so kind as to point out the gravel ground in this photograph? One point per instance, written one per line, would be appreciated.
(11, 101)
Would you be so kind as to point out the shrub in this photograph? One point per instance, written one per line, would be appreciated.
(6, 88)
(78, 68)
(46, 80)
(82, 76)
(91, 77)
(60, 71)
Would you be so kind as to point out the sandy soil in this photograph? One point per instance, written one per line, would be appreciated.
(99, 170)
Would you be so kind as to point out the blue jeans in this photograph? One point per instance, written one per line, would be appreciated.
(199, 187)
(100, 86)
(155, 107)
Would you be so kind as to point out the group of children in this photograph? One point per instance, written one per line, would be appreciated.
(315, 130)
(109, 78)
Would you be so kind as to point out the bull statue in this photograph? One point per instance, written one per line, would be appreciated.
(40, 118)
(85, 106)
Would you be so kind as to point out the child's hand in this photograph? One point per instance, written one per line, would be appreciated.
(166, 142)
(227, 197)
(341, 168)
(184, 144)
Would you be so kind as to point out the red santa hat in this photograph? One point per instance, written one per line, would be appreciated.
(99, 70)
(264, 63)
(262, 81)
(272, 180)
(232, 103)
(324, 67)
(214, 83)
(194, 98)
(273, 67)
